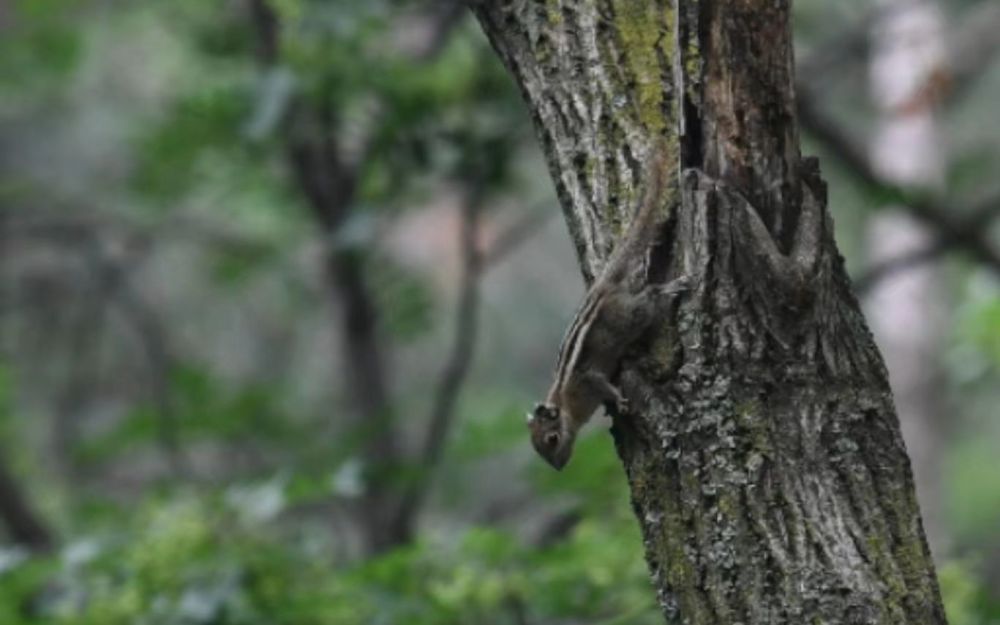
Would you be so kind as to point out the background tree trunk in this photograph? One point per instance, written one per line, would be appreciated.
(907, 311)
(23, 526)
(765, 460)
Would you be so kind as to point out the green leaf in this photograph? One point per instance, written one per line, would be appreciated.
(44, 46)
(172, 157)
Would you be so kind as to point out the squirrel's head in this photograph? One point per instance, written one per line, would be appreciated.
(550, 436)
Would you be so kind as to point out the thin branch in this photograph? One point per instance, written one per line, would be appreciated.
(267, 32)
(112, 278)
(329, 182)
(441, 20)
(23, 524)
(442, 412)
(848, 46)
(979, 221)
(974, 44)
(515, 236)
(328, 185)
(558, 527)
(149, 329)
(873, 276)
(87, 326)
(80, 233)
(951, 230)
(70, 224)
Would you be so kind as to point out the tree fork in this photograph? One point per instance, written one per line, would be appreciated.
(765, 461)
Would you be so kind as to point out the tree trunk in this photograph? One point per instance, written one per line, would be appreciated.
(328, 183)
(23, 526)
(764, 457)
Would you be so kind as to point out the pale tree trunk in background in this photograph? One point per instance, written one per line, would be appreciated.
(907, 310)
(766, 466)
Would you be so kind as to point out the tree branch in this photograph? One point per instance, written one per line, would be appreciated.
(515, 235)
(951, 230)
(439, 21)
(974, 45)
(149, 329)
(328, 185)
(978, 222)
(329, 182)
(442, 412)
(111, 278)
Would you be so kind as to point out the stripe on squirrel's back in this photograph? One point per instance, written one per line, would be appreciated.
(572, 344)
(629, 252)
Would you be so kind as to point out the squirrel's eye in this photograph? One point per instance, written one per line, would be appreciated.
(551, 439)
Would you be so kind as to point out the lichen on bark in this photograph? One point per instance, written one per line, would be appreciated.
(764, 457)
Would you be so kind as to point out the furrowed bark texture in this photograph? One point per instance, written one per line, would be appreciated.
(764, 457)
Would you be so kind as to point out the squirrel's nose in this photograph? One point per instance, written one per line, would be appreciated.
(558, 460)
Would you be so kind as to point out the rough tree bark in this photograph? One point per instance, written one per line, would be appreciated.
(764, 457)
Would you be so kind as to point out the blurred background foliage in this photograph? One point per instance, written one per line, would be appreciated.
(201, 206)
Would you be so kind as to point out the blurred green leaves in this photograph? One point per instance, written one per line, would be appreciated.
(200, 408)
(172, 160)
(42, 45)
(596, 478)
(981, 327)
(966, 601)
(974, 495)
(193, 561)
(404, 297)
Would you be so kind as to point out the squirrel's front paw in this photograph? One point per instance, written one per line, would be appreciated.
(677, 285)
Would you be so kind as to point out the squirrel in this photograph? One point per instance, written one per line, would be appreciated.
(612, 315)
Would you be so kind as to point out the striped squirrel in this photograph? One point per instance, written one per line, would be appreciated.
(611, 317)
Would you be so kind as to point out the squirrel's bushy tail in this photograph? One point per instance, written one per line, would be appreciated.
(659, 186)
